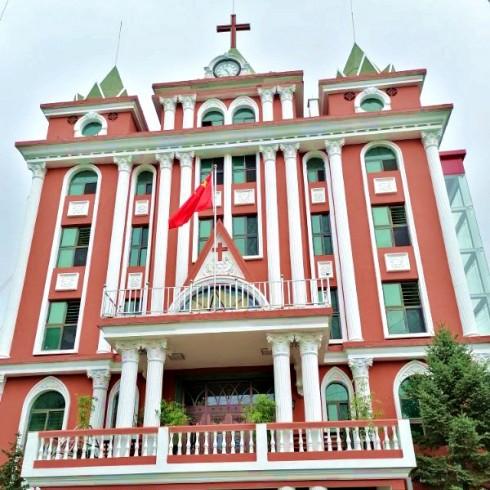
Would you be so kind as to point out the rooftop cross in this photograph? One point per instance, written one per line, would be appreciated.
(233, 27)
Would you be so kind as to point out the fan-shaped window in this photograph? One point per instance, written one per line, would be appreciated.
(244, 115)
(47, 412)
(410, 407)
(92, 128)
(380, 159)
(83, 183)
(210, 297)
(144, 184)
(316, 170)
(213, 118)
(337, 398)
(372, 104)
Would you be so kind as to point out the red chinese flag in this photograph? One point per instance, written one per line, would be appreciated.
(201, 199)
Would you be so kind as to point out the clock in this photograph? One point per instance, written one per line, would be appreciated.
(227, 68)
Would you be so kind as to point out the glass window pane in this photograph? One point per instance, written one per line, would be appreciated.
(57, 312)
(318, 245)
(144, 183)
(52, 338)
(372, 104)
(37, 421)
(136, 236)
(81, 181)
(133, 257)
(316, 223)
(415, 320)
(92, 128)
(252, 246)
(55, 420)
(396, 321)
(335, 330)
(401, 235)
(244, 115)
(80, 257)
(392, 294)
(239, 224)
(337, 392)
(68, 337)
(142, 260)
(383, 238)
(381, 216)
(373, 166)
(332, 412)
(69, 237)
(65, 258)
(49, 399)
(240, 245)
(213, 118)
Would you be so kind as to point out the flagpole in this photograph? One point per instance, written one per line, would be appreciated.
(214, 228)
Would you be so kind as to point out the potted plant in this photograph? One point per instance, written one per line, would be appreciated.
(172, 413)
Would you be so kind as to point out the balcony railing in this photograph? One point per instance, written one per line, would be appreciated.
(224, 294)
(189, 451)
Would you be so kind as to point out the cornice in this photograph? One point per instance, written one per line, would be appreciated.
(357, 128)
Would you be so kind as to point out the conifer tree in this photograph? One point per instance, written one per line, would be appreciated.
(454, 398)
(10, 471)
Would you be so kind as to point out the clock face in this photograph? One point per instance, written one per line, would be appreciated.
(227, 68)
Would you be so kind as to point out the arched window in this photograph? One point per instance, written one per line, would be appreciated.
(243, 115)
(410, 408)
(47, 412)
(92, 128)
(213, 118)
(83, 183)
(144, 184)
(372, 104)
(337, 398)
(380, 159)
(315, 168)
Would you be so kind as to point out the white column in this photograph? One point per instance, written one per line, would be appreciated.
(100, 383)
(155, 355)
(267, 98)
(17, 282)
(294, 224)
(360, 373)
(169, 104)
(282, 375)
(347, 271)
(127, 387)
(161, 238)
(286, 95)
(226, 198)
(272, 224)
(182, 261)
(456, 267)
(309, 344)
(188, 104)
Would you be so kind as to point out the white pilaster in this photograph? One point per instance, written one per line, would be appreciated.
(7, 327)
(161, 238)
(155, 355)
(456, 267)
(267, 99)
(272, 224)
(347, 271)
(294, 223)
(282, 375)
(188, 104)
(169, 104)
(360, 373)
(286, 94)
(127, 388)
(182, 260)
(309, 344)
(100, 383)
(226, 200)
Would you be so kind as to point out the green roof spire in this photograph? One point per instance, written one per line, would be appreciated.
(111, 86)
(359, 64)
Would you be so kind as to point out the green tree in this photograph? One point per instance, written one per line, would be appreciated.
(261, 411)
(172, 413)
(454, 399)
(10, 478)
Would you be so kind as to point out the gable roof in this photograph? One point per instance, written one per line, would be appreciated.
(359, 64)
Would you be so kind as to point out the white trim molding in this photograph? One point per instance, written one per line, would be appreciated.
(47, 384)
(372, 93)
(335, 375)
(409, 369)
(88, 118)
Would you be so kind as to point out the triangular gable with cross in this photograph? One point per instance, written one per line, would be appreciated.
(229, 262)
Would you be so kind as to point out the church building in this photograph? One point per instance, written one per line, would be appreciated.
(339, 240)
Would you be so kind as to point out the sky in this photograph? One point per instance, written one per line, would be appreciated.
(51, 49)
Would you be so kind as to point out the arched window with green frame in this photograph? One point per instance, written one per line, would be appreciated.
(47, 412)
(380, 159)
(410, 407)
(84, 182)
(337, 399)
(244, 115)
(315, 169)
(213, 118)
(144, 183)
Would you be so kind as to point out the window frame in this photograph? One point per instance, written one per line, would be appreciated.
(201, 241)
(140, 247)
(145, 191)
(212, 111)
(243, 109)
(324, 235)
(46, 411)
(75, 248)
(391, 227)
(62, 326)
(320, 172)
(374, 158)
(247, 236)
(91, 190)
(248, 167)
(220, 169)
(338, 404)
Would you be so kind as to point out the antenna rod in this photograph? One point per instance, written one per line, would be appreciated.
(7, 2)
(353, 22)
(118, 43)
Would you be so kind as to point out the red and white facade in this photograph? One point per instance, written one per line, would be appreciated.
(154, 330)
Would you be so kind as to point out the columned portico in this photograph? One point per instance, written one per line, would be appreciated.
(38, 171)
(347, 271)
(188, 103)
(272, 223)
(155, 355)
(161, 238)
(360, 373)
(100, 383)
(431, 144)
(127, 391)
(286, 96)
(182, 260)
(267, 99)
(294, 218)
(169, 105)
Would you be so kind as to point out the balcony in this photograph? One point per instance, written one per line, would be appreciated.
(223, 294)
(223, 453)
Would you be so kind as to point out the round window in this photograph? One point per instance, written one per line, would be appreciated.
(372, 104)
(92, 128)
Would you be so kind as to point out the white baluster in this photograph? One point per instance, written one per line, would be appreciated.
(386, 438)
(206, 442)
(75, 449)
(273, 441)
(291, 441)
(339, 440)
(146, 438)
(41, 449)
(242, 442)
(188, 444)
(396, 444)
(329, 440)
(127, 443)
(171, 443)
(109, 447)
(233, 442)
(118, 446)
(92, 447)
(367, 439)
(66, 448)
(137, 445)
(357, 439)
(251, 443)
(309, 442)
(347, 439)
(377, 440)
(300, 441)
(198, 443)
(281, 441)
(58, 448)
(215, 442)
(179, 444)
(50, 449)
